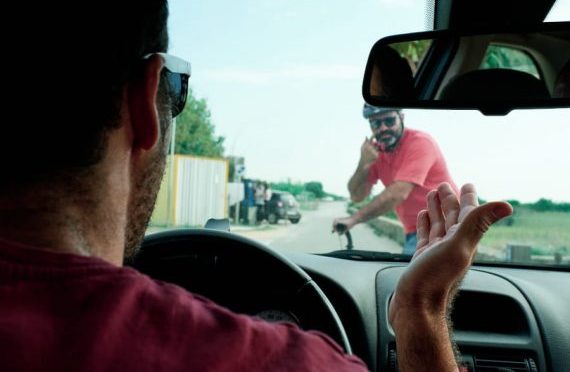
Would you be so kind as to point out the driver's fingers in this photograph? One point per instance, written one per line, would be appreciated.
(422, 229)
(436, 220)
(477, 223)
(449, 204)
(467, 201)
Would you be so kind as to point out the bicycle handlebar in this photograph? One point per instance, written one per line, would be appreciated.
(342, 229)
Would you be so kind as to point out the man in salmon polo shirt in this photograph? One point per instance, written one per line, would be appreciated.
(407, 161)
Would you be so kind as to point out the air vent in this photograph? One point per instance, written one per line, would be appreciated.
(506, 316)
(503, 365)
(474, 363)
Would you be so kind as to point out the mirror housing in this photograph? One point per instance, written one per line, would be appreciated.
(493, 71)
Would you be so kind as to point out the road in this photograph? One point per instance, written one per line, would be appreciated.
(313, 233)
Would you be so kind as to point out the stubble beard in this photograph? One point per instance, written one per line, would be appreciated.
(388, 144)
(144, 197)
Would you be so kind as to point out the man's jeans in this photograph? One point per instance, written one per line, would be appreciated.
(410, 244)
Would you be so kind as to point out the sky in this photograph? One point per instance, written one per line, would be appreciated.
(282, 79)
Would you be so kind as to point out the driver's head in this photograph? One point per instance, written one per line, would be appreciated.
(81, 100)
(71, 63)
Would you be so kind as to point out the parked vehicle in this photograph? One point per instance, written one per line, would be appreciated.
(283, 206)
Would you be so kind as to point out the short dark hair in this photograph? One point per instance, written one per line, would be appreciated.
(398, 83)
(69, 64)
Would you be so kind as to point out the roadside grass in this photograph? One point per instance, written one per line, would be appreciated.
(546, 233)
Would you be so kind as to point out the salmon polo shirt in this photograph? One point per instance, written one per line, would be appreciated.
(417, 159)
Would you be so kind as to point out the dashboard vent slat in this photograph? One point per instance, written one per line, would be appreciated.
(488, 365)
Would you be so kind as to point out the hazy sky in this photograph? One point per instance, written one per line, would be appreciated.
(283, 82)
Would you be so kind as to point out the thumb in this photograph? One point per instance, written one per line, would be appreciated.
(478, 221)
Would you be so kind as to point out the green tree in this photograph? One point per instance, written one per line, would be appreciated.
(509, 58)
(514, 202)
(413, 51)
(316, 188)
(547, 205)
(294, 188)
(195, 130)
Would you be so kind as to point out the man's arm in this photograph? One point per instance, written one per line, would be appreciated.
(359, 186)
(387, 200)
(448, 234)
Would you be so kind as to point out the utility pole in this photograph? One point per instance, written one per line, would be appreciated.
(236, 219)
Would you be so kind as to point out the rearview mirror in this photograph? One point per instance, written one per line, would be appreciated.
(492, 71)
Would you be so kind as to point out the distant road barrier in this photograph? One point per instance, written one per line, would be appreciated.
(518, 253)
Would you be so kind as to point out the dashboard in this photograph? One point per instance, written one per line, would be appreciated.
(505, 319)
(516, 319)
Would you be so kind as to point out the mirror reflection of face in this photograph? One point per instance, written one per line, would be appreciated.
(391, 77)
(387, 129)
(562, 85)
(376, 83)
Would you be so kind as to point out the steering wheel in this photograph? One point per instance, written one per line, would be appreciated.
(240, 274)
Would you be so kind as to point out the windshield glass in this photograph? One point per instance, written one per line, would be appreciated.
(275, 105)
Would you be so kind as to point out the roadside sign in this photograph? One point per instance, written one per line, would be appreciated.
(240, 170)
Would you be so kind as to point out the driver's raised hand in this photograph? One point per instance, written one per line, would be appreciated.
(368, 152)
(448, 233)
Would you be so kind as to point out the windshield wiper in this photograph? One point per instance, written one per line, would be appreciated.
(361, 255)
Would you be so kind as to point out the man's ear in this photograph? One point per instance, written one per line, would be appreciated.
(142, 105)
(402, 116)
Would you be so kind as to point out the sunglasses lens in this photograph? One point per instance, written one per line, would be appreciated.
(178, 91)
(388, 122)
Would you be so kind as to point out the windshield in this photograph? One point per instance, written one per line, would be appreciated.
(275, 105)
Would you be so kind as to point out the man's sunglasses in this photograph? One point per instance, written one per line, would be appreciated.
(389, 122)
(177, 72)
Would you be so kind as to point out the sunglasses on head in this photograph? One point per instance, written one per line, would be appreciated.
(389, 122)
(177, 72)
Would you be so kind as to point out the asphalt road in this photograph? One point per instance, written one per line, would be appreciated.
(313, 233)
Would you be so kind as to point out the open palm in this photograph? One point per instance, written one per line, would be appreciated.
(448, 233)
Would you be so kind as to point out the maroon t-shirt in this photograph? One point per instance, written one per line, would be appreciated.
(63, 312)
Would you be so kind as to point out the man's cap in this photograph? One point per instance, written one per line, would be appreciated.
(369, 110)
